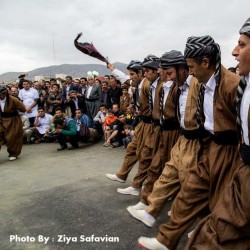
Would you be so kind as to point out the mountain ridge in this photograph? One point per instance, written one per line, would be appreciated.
(74, 70)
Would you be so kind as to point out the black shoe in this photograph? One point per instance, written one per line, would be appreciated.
(116, 145)
(62, 148)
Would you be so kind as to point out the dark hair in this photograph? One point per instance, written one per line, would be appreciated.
(83, 78)
(111, 111)
(127, 126)
(52, 79)
(56, 84)
(58, 108)
(107, 76)
(40, 107)
(120, 114)
(78, 110)
(103, 105)
(70, 77)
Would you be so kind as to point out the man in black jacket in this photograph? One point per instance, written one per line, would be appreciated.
(114, 93)
(76, 102)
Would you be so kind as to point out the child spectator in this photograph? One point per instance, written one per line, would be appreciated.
(99, 119)
(128, 138)
(110, 118)
(126, 100)
(130, 115)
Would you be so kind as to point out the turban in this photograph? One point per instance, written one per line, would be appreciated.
(204, 46)
(246, 28)
(135, 65)
(171, 59)
(151, 61)
(3, 89)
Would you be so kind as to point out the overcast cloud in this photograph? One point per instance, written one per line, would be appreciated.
(120, 29)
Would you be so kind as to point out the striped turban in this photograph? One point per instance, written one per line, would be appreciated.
(204, 46)
(135, 65)
(151, 61)
(171, 59)
(246, 28)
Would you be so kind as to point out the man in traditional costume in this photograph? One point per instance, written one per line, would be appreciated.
(228, 226)
(11, 128)
(206, 181)
(170, 63)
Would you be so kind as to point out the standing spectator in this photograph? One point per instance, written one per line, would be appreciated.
(75, 102)
(55, 99)
(125, 100)
(30, 97)
(83, 85)
(11, 128)
(14, 92)
(104, 92)
(93, 96)
(114, 93)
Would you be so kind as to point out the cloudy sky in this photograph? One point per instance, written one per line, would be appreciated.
(120, 29)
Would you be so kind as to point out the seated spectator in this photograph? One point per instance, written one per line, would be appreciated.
(82, 119)
(99, 119)
(110, 118)
(117, 134)
(41, 125)
(129, 115)
(116, 109)
(128, 138)
(75, 102)
(27, 131)
(66, 130)
(126, 100)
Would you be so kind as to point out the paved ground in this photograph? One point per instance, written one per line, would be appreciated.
(50, 193)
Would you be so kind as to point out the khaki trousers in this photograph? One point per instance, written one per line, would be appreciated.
(228, 226)
(202, 187)
(134, 149)
(183, 156)
(168, 139)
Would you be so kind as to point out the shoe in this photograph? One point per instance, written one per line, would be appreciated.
(12, 158)
(113, 177)
(62, 148)
(151, 243)
(37, 141)
(139, 206)
(129, 190)
(190, 234)
(107, 144)
(142, 215)
(116, 145)
(169, 213)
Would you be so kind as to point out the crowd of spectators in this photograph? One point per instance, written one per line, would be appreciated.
(78, 110)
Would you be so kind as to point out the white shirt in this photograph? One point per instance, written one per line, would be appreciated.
(166, 87)
(2, 103)
(28, 97)
(120, 75)
(183, 100)
(76, 103)
(244, 109)
(154, 85)
(208, 104)
(140, 85)
(89, 91)
(44, 123)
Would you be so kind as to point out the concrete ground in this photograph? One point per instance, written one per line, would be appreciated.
(46, 193)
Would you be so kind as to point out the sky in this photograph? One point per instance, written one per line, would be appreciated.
(40, 33)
